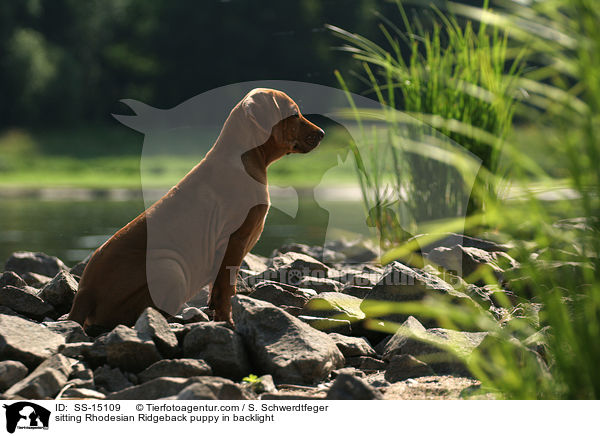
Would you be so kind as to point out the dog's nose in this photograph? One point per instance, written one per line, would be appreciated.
(320, 134)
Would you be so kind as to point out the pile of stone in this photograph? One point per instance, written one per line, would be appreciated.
(307, 326)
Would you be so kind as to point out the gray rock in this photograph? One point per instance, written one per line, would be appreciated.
(26, 341)
(25, 301)
(10, 278)
(466, 260)
(430, 346)
(11, 372)
(45, 381)
(175, 368)
(77, 393)
(152, 325)
(281, 295)
(197, 391)
(214, 388)
(253, 262)
(35, 280)
(23, 262)
(351, 346)
(366, 363)
(405, 366)
(220, 347)
(329, 325)
(154, 389)
(82, 371)
(70, 330)
(127, 350)
(401, 283)
(94, 353)
(291, 267)
(283, 346)
(264, 384)
(451, 239)
(193, 314)
(335, 305)
(349, 387)
(356, 291)
(111, 379)
(60, 291)
(320, 284)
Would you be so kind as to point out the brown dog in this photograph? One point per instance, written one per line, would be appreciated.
(202, 229)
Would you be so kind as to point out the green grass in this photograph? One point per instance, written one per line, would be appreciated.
(109, 157)
(559, 42)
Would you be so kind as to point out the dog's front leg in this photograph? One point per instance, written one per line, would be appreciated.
(240, 243)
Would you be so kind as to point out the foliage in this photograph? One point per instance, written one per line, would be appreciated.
(556, 241)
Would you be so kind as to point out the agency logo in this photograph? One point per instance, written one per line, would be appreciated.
(24, 415)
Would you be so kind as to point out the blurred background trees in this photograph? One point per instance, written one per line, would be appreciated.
(65, 61)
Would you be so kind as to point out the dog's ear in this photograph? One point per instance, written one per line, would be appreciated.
(262, 110)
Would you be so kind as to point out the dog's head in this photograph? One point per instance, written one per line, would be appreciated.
(278, 116)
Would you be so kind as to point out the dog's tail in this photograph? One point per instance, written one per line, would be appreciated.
(82, 308)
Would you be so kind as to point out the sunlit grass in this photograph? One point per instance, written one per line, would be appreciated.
(559, 93)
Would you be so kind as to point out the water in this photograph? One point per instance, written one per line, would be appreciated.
(72, 228)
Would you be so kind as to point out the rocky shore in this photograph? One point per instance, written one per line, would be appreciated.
(304, 326)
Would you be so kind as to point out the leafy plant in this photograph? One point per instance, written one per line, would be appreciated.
(556, 236)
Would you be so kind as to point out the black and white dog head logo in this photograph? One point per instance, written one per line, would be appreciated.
(26, 415)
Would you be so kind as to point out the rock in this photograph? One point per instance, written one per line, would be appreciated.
(70, 330)
(25, 301)
(10, 278)
(197, 391)
(349, 387)
(253, 262)
(430, 346)
(175, 368)
(26, 341)
(401, 283)
(448, 240)
(127, 350)
(335, 305)
(23, 262)
(45, 381)
(82, 371)
(366, 363)
(291, 267)
(352, 347)
(220, 347)
(329, 325)
(489, 295)
(272, 396)
(60, 291)
(464, 261)
(320, 284)
(356, 291)
(281, 295)
(82, 394)
(36, 280)
(358, 251)
(283, 346)
(111, 379)
(214, 388)
(264, 384)
(405, 366)
(152, 325)
(154, 389)
(93, 353)
(77, 270)
(193, 314)
(11, 372)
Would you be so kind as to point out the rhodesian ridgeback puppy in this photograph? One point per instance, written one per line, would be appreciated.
(201, 230)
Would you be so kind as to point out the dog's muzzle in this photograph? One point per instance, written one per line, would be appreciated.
(314, 138)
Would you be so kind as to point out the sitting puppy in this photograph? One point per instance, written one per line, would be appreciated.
(201, 230)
